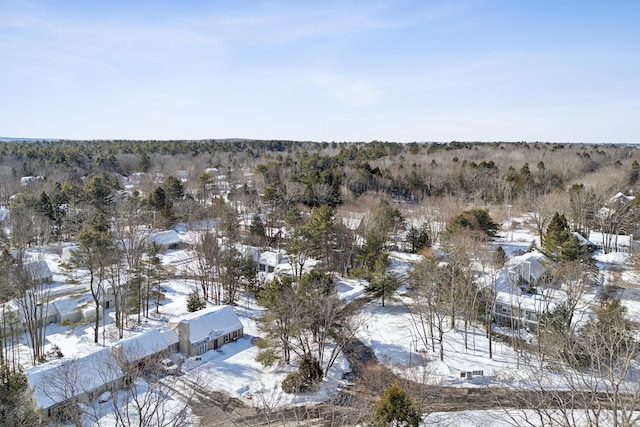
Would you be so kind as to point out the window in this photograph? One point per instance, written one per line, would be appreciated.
(226, 338)
(235, 335)
(202, 348)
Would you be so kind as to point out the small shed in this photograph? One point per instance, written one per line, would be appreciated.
(207, 329)
(68, 308)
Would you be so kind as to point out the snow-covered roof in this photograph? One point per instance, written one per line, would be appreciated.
(39, 270)
(27, 179)
(59, 380)
(167, 237)
(270, 258)
(528, 266)
(622, 197)
(538, 303)
(583, 240)
(147, 344)
(211, 322)
(70, 303)
(352, 222)
(619, 240)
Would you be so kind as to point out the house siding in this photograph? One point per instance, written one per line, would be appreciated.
(195, 349)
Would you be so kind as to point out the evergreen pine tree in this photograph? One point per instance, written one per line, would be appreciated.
(395, 408)
(194, 302)
(557, 234)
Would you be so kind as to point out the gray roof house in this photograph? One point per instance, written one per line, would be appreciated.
(527, 269)
(207, 329)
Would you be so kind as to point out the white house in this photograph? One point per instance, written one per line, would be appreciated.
(207, 329)
(268, 261)
(70, 308)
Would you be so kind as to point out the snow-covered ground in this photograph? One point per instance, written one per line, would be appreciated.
(389, 330)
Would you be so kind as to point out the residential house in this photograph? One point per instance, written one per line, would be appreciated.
(621, 197)
(522, 309)
(25, 180)
(148, 347)
(527, 270)
(57, 383)
(168, 239)
(268, 261)
(622, 243)
(207, 329)
(11, 318)
(39, 271)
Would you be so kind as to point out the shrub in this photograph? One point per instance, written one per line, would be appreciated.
(395, 408)
(267, 357)
(309, 373)
(293, 383)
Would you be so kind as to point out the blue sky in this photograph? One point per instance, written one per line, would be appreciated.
(468, 70)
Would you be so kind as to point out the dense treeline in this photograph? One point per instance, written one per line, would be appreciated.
(331, 173)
